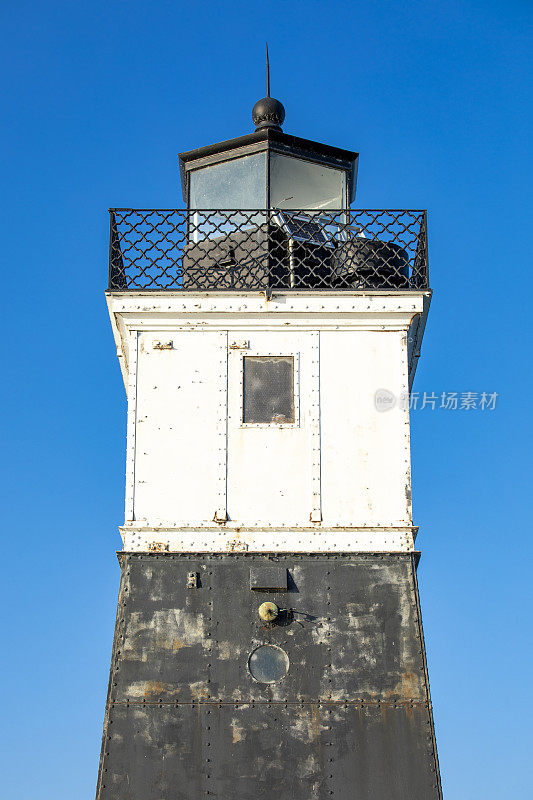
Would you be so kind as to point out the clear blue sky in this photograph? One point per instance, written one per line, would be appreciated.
(98, 99)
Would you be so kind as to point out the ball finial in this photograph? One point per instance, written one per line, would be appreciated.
(268, 113)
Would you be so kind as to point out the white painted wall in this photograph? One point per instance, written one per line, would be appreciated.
(343, 466)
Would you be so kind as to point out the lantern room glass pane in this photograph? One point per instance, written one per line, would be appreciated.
(238, 183)
(299, 184)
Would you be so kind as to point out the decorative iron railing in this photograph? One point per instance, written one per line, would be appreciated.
(178, 250)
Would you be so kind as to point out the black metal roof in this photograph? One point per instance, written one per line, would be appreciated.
(274, 140)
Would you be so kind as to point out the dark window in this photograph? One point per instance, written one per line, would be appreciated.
(268, 389)
(268, 663)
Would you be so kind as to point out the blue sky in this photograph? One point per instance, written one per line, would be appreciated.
(98, 99)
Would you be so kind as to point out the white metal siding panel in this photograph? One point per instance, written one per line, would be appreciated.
(365, 452)
(271, 540)
(269, 467)
(180, 469)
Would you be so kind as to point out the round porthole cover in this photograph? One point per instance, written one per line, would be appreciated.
(268, 663)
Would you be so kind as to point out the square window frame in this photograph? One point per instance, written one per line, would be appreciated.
(295, 388)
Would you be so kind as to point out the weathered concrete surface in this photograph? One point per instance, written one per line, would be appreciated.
(352, 717)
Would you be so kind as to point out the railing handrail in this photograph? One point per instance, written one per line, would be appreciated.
(289, 210)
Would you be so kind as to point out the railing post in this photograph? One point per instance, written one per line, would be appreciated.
(269, 248)
(426, 252)
(117, 277)
(419, 275)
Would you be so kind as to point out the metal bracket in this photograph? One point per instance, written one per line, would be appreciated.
(236, 546)
(158, 547)
(192, 580)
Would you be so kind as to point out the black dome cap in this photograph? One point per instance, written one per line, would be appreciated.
(268, 113)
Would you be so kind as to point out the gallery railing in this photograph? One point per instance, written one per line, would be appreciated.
(179, 250)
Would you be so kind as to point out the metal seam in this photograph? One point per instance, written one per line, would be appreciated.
(129, 510)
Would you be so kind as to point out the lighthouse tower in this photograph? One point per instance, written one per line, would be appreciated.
(268, 639)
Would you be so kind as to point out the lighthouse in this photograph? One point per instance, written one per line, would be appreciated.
(268, 639)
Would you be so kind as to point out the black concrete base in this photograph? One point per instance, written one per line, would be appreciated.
(186, 720)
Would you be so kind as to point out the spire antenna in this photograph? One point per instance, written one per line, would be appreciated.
(268, 112)
(268, 71)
